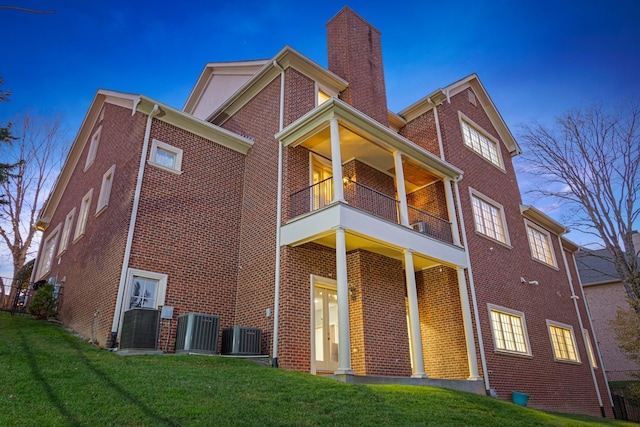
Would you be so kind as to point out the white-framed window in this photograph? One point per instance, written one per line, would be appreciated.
(488, 216)
(105, 190)
(563, 342)
(66, 231)
(48, 252)
(590, 353)
(145, 289)
(540, 244)
(509, 331)
(166, 156)
(83, 215)
(480, 141)
(93, 148)
(322, 94)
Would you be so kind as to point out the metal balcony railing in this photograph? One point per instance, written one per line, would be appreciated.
(372, 201)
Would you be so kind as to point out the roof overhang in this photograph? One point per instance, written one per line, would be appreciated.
(444, 94)
(287, 57)
(144, 105)
(544, 220)
(317, 120)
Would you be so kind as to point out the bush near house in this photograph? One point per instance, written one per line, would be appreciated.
(43, 304)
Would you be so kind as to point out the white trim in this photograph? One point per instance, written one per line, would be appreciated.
(162, 285)
(83, 215)
(105, 190)
(66, 231)
(566, 327)
(496, 308)
(535, 227)
(162, 146)
(465, 120)
(476, 194)
(93, 148)
(53, 238)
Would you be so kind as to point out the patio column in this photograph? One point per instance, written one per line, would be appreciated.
(414, 317)
(344, 347)
(472, 358)
(336, 161)
(451, 210)
(402, 192)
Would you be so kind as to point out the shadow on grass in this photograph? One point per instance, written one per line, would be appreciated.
(37, 374)
(157, 418)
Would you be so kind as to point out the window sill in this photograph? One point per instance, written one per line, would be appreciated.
(506, 245)
(568, 362)
(159, 166)
(512, 353)
(546, 264)
(75, 239)
(102, 209)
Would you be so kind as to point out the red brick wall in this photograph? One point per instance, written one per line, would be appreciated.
(430, 199)
(422, 131)
(497, 270)
(92, 264)
(188, 226)
(356, 56)
(441, 327)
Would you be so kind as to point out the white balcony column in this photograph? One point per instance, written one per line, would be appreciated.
(336, 161)
(402, 192)
(414, 317)
(472, 358)
(451, 210)
(344, 334)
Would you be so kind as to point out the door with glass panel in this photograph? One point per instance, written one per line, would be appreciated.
(322, 190)
(326, 337)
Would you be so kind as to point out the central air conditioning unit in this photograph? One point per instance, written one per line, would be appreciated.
(420, 227)
(140, 328)
(241, 341)
(197, 333)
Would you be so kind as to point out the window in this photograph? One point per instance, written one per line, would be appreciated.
(563, 342)
(105, 190)
(66, 231)
(93, 148)
(481, 143)
(489, 217)
(587, 339)
(48, 251)
(145, 289)
(540, 244)
(322, 94)
(83, 215)
(509, 330)
(166, 156)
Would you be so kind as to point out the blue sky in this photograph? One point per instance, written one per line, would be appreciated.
(536, 59)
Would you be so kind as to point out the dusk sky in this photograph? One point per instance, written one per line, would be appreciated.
(536, 59)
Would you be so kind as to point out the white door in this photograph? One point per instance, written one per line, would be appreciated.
(326, 337)
(322, 193)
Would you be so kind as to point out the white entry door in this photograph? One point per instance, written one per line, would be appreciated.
(326, 337)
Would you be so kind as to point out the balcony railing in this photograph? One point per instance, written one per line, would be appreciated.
(372, 201)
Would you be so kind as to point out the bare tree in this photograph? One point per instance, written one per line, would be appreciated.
(38, 150)
(589, 161)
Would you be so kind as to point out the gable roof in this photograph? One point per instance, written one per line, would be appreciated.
(136, 103)
(596, 267)
(444, 94)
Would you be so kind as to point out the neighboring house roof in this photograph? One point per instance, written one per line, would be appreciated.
(136, 103)
(596, 267)
(440, 95)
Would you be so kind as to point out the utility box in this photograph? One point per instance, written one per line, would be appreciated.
(140, 329)
(197, 333)
(241, 341)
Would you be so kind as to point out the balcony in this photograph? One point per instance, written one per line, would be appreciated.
(372, 201)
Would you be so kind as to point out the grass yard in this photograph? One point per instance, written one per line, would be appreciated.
(51, 378)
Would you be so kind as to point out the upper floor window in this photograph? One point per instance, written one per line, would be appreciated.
(509, 330)
(105, 189)
(540, 244)
(165, 156)
(480, 142)
(66, 231)
(563, 342)
(93, 148)
(48, 252)
(489, 217)
(83, 215)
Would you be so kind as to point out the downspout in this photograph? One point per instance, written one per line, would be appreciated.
(575, 297)
(132, 225)
(483, 360)
(276, 299)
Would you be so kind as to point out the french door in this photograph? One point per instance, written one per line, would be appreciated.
(326, 337)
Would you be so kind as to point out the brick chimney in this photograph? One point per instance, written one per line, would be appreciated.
(355, 55)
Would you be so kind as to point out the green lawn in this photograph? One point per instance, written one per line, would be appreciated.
(51, 378)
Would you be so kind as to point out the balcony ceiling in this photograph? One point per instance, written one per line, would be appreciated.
(355, 146)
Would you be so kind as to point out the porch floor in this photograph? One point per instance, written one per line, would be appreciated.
(470, 386)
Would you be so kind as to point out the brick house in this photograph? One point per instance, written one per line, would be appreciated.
(605, 293)
(385, 245)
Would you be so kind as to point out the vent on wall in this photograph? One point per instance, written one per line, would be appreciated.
(140, 329)
(197, 333)
(241, 341)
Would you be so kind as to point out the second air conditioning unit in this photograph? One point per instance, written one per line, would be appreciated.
(241, 341)
(197, 333)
